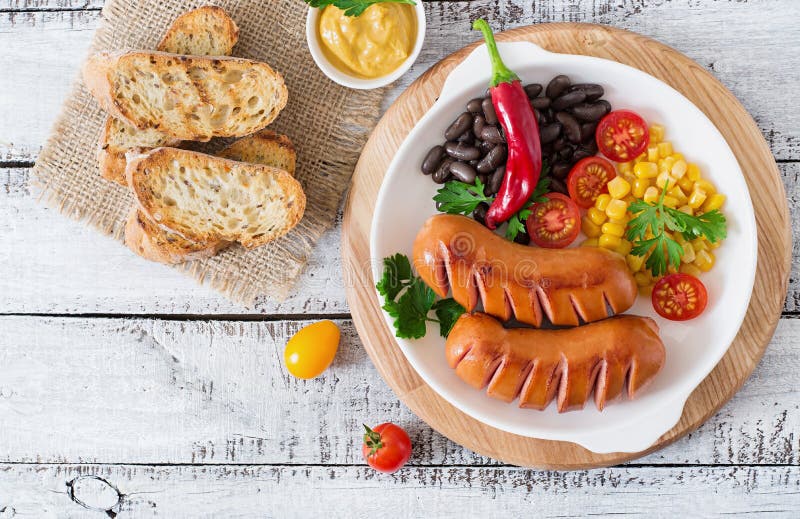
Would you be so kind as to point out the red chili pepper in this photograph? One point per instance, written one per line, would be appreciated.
(522, 136)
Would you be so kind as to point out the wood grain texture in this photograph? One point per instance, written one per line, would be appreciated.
(89, 390)
(461, 492)
(766, 190)
(741, 43)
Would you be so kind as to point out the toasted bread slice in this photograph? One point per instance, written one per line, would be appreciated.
(157, 244)
(207, 199)
(207, 30)
(186, 97)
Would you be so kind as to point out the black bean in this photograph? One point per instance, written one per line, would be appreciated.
(487, 146)
(590, 146)
(590, 112)
(463, 172)
(496, 180)
(480, 213)
(533, 90)
(560, 170)
(557, 86)
(550, 132)
(493, 159)
(474, 105)
(467, 137)
(581, 153)
(483, 179)
(491, 134)
(565, 154)
(540, 103)
(441, 175)
(488, 111)
(569, 99)
(560, 143)
(459, 126)
(587, 131)
(539, 116)
(549, 115)
(605, 104)
(522, 238)
(433, 159)
(473, 162)
(593, 91)
(462, 151)
(478, 122)
(571, 127)
(558, 186)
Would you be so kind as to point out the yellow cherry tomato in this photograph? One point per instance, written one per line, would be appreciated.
(312, 349)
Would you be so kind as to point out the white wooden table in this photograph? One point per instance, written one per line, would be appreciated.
(176, 399)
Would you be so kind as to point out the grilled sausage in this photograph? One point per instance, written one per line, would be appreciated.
(512, 280)
(569, 364)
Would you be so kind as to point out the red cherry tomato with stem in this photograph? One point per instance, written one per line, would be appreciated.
(679, 297)
(588, 179)
(555, 223)
(622, 135)
(386, 448)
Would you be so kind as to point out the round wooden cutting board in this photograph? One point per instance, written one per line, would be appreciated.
(763, 180)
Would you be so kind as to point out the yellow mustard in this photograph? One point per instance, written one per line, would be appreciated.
(371, 45)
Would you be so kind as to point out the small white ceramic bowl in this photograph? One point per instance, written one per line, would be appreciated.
(345, 79)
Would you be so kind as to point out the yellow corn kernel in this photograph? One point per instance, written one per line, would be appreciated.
(688, 268)
(670, 201)
(686, 209)
(613, 229)
(699, 244)
(616, 209)
(639, 187)
(634, 262)
(618, 187)
(705, 185)
(651, 195)
(625, 167)
(646, 170)
(624, 247)
(589, 242)
(678, 194)
(656, 133)
(609, 241)
(652, 152)
(596, 216)
(715, 201)
(678, 156)
(704, 260)
(589, 228)
(665, 165)
(688, 253)
(646, 290)
(665, 178)
(686, 183)
(714, 245)
(664, 149)
(602, 201)
(693, 172)
(640, 158)
(642, 279)
(678, 237)
(697, 198)
(679, 168)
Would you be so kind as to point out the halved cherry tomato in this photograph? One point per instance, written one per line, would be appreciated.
(679, 297)
(588, 179)
(554, 224)
(622, 135)
(386, 448)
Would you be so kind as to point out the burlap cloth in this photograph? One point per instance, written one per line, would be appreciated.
(327, 123)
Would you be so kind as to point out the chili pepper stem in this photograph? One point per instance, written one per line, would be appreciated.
(500, 72)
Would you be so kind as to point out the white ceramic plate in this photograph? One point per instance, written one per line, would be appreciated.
(693, 348)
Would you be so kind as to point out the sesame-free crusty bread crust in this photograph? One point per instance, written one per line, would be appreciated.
(154, 243)
(207, 30)
(207, 199)
(186, 97)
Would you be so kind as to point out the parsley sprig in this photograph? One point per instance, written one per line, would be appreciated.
(354, 7)
(655, 219)
(408, 300)
(459, 198)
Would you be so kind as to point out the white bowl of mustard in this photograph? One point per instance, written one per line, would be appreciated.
(366, 51)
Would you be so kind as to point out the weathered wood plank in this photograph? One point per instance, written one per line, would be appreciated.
(303, 491)
(736, 40)
(54, 265)
(76, 390)
(48, 5)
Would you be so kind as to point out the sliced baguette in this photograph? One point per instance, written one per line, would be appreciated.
(207, 199)
(154, 243)
(207, 30)
(186, 97)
